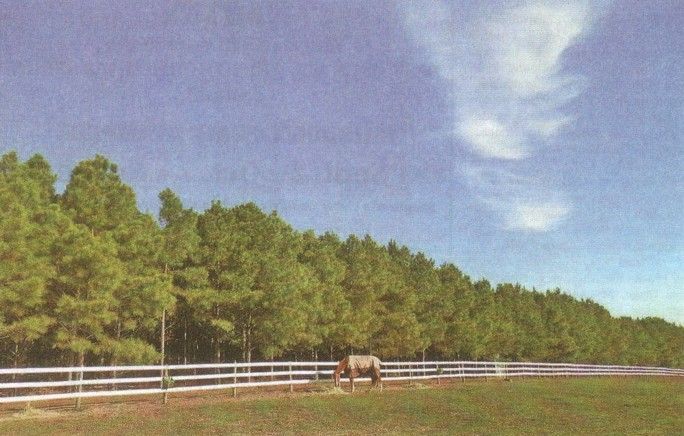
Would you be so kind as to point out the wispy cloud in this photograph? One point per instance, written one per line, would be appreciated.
(503, 69)
(537, 216)
(492, 139)
(527, 43)
(520, 202)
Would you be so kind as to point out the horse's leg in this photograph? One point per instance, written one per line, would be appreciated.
(351, 381)
(378, 377)
(374, 379)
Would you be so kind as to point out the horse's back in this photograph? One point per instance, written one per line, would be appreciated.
(364, 362)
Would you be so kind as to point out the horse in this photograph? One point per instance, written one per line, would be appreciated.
(354, 366)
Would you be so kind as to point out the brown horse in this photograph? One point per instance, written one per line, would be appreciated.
(354, 366)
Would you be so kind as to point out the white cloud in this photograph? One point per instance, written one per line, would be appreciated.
(548, 127)
(521, 202)
(536, 217)
(503, 69)
(491, 139)
(527, 43)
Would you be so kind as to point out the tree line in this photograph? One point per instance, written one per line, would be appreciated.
(87, 278)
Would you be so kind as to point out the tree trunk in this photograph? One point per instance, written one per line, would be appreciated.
(249, 345)
(163, 336)
(244, 344)
(81, 363)
(71, 364)
(217, 351)
(115, 361)
(272, 367)
(217, 343)
(185, 342)
(316, 360)
(15, 365)
(249, 338)
(163, 350)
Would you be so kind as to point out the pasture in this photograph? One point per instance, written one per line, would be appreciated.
(619, 405)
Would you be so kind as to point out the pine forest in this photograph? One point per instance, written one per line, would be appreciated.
(86, 278)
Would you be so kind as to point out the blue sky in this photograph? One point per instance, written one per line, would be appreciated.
(530, 142)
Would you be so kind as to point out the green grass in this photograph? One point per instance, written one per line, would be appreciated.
(555, 406)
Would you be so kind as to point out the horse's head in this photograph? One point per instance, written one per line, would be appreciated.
(341, 367)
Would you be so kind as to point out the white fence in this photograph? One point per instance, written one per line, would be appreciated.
(75, 383)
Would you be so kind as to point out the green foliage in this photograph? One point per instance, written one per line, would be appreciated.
(83, 300)
(168, 382)
(329, 309)
(96, 197)
(256, 282)
(86, 275)
(27, 222)
(130, 351)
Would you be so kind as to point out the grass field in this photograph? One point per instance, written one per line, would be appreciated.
(557, 406)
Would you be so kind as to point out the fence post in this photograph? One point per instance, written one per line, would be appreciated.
(234, 378)
(80, 389)
(291, 385)
(437, 371)
(165, 384)
(410, 374)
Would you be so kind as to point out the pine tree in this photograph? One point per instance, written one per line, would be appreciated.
(97, 199)
(460, 337)
(560, 345)
(179, 259)
(257, 286)
(435, 303)
(26, 217)
(144, 296)
(383, 315)
(82, 291)
(331, 322)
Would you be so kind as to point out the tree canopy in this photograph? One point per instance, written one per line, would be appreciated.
(86, 277)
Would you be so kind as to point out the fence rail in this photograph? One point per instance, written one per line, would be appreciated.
(63, 383)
